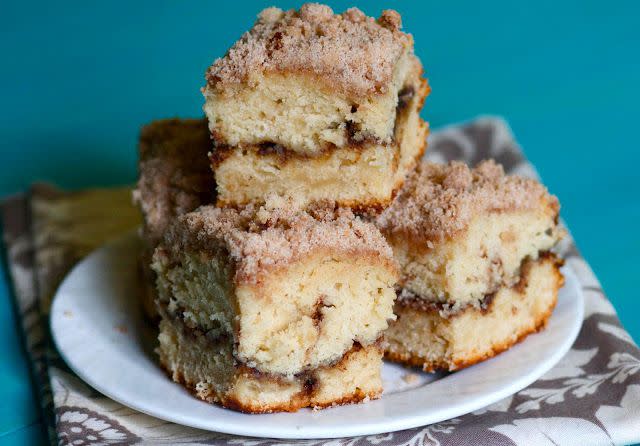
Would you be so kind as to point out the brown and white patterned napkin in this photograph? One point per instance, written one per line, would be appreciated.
(592, 397)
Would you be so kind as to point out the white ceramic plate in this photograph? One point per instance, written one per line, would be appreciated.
(99, 331)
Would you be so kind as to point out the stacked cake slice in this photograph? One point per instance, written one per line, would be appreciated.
(477, 272)
(316, 106)
(277, 298)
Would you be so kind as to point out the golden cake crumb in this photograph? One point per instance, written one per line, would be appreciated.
(411, 378)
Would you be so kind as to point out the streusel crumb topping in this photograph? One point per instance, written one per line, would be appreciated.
(273, 235)
(353, 52)
(439, 200)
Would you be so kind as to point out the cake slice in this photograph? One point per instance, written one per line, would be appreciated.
(460, 233)
(310, 79)
(471, 243)
(263, 307)
(174, 178)
(316, 106)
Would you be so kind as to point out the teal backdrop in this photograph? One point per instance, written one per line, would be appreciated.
(78, 79)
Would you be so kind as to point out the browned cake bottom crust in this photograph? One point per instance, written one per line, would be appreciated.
(299, 401)
(435, 323)
(444, 365)
(187, 355)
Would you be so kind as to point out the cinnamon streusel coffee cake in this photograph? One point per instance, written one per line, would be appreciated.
(316, 105)
(269, 309)
(476, 275)
(174, 178)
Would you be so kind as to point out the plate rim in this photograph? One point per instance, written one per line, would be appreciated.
(310, 431)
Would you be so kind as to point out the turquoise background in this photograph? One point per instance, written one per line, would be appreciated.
(79, 78)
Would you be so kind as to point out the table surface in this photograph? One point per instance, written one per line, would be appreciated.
(80, 78)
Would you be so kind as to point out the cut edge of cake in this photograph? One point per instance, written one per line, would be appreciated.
(365, 179)
(436, 339)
